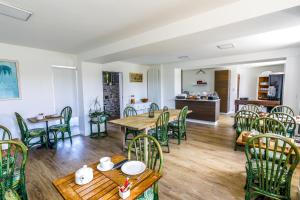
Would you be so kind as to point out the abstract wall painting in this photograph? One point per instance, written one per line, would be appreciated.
(9, 82)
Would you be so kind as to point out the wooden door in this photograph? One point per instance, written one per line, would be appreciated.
(222, 87)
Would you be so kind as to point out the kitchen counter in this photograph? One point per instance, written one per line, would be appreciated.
(215, 100)
(202, 110)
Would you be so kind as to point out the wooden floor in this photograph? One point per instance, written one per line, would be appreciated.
(203, 167)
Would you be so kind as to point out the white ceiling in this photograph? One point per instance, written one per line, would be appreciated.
(273, 31)
(77, 25)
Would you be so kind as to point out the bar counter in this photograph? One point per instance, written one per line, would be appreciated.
(203, 110)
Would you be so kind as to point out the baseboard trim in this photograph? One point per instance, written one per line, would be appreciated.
(202, 122)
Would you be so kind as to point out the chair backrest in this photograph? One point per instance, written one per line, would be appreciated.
(165, 108)
(161, 127)
(182, 118)
(271, 161)
(129, 111)
(154, 106)
(251, 107)
(283, 109)
(4, 133)
(244, 119)
(146, 149)
(66, 113)
(287, 120)
(13, 157)
(269, 125)
(22, 125)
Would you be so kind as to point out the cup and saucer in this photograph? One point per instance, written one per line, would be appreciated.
(105, 164)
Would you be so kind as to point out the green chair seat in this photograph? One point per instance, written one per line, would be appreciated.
(37, 132)
(147, 195)
(57, 127)
(173, 124)
(11, 195)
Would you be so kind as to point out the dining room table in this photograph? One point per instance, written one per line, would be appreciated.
(46, 119)
(105, 184)
(142, 122)
(242, 140)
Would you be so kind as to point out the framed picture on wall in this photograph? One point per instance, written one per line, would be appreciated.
(9, 80)
(136, 77)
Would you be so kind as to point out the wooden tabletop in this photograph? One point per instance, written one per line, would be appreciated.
(142, 121)
(240, 141)
(105, 184)
(45, 119)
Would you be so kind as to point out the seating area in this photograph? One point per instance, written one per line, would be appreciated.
(149, 100)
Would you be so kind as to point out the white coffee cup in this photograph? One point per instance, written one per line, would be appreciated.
(105, 162)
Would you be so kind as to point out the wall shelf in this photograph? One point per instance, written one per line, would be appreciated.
(200, 84)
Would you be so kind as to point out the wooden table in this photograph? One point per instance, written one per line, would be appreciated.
(105, 184)
(142, 122)
(266, 103)
(240, 142)
(46, 120)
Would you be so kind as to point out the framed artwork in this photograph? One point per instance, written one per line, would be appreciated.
(9, 80)
(136, 77)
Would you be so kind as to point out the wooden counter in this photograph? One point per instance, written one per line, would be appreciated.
(265, 103)
(204, 110)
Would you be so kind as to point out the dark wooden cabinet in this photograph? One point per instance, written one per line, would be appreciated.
(201, 110)
(222, 87)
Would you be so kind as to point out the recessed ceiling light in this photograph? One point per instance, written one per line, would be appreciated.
(183, 57)
(225, 46)
(14, 12)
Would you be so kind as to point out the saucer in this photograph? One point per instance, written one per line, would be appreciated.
(105, 169)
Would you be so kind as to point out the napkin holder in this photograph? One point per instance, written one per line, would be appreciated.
(124, 194)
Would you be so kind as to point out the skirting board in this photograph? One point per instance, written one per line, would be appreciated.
(202, 122)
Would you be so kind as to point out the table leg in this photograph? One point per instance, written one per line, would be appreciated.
(50, 145)
(146, 146)
(122, 130)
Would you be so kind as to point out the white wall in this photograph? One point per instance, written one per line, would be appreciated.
(90, 86)
(249, 79)
(190, 78)
(36, 83)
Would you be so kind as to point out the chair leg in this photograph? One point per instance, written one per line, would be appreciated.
(70, 135)
(63, 136)
(46, 141)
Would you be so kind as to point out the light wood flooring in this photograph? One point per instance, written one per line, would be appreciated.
(203, 167)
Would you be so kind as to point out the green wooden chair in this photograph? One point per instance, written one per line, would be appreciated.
(64, 125)
(128, 112)
(147, 149)
(38, 135)
(270, 176)
(99, 119)
(269, 125)
(287, 120)
(243, 120)
(178, 127)
(13, 158)
(283, 109)
(154, 107)
(251, 107)
(4, 133)
(160, 132)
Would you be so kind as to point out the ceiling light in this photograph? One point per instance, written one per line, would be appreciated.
(14, 12)
(183, 57)
(225, 46)
(64, 67)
